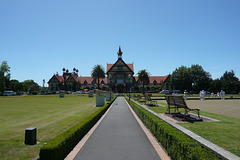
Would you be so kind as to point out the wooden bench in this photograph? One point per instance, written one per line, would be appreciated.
(149, 100)
(177, 102)
(134, 96)
(139, 97)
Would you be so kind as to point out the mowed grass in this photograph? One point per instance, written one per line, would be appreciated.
(50, 114)
(225, 133)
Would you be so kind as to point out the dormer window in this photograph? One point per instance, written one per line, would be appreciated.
(93, 82)
(85, 82)
(154, 82)
(102, 82)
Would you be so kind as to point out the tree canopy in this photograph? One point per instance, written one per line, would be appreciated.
(193, 78)
(181, 78)
(230, 83)
(143, 77)
(97, 73)
(4, 75)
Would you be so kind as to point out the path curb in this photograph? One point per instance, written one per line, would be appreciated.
(222, 153)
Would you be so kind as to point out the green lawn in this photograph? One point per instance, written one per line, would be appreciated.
(225, 133)
(50, 114)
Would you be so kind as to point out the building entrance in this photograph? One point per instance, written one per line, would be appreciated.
(120, 88)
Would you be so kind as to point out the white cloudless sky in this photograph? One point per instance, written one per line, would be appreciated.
(39, 38)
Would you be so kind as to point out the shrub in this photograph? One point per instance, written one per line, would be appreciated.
(34, 92)
(59, 147)
(177, 144)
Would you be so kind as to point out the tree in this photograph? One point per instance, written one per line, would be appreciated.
(215, 85)
(181, 79)
(14, 85)
(230, 83)
(193, 78)
(31, 86)
(143, 77)
(4, 75)
(97, 73)
(200, 78)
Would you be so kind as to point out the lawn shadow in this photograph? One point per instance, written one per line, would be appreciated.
(191, 118)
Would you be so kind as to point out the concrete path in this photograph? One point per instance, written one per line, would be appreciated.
(118, 137)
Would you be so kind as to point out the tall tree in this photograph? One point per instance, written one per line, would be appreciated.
(200, 78)
(215, 85)
(230, 83)
(97, 73)
(181, 79)
(4, 75)
(193, 78)
(143, 77)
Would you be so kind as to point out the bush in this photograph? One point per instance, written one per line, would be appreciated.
(177, 144)
(59, 147)
(34, 92)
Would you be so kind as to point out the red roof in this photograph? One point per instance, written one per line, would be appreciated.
(158, 79)
(60, 78)
(90, 79)
(109, 66)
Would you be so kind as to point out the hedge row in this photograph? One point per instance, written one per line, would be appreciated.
(59, 147)
(178, 145)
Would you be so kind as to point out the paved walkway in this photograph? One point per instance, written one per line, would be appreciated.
(118, 137)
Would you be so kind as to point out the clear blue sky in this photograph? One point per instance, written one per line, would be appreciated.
(39, 38)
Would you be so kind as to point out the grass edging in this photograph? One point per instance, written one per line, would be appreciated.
(177, 144)
(60, 146)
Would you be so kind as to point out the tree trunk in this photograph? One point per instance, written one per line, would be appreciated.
(143, 89)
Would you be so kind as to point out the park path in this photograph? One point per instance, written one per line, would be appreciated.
(118, 137)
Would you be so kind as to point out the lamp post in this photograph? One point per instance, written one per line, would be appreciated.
(110, 79)
(129, 78)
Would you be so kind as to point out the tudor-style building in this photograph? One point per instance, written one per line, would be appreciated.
(120, 78)
(120, 75)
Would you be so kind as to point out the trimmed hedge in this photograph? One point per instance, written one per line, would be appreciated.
(60, 146)
(178, 145)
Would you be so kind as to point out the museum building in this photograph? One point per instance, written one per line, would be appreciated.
(119, 78)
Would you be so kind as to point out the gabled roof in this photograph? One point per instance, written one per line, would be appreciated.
(158, 79)
(59, 78)
(130, 66)
(87, 79)
(90, 79)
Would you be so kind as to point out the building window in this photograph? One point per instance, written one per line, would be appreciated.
(154, 82)
(120, 67)
(102, 82)
(93, 82)
(120, 81)
(85, 82)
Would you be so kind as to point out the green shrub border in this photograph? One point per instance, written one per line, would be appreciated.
(60, 146)
(178, 145)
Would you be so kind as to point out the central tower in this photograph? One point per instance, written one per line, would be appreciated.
(120, 74)
(119, 53)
